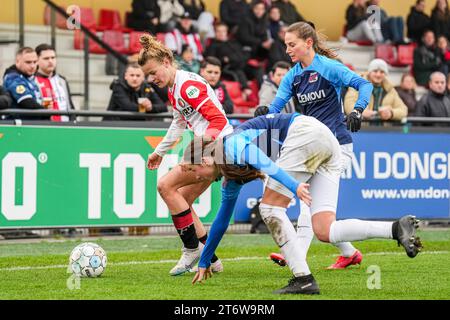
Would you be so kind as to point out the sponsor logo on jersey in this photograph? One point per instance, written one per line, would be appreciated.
(187, 112)
(311, 96)
(192, 92)
(186, 109)
(313, 77)
(181, 103)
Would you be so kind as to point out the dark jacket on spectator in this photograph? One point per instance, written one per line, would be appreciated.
(354, 16)
(440, 23)
(224, 98)
(289, 13)
(434, 105)
(142, 13)
(426, 61)
(252, 32)
(24, 91)
(5, 99)
(230, 53)
(125, 98)
(232, 12)
(409, 98)
(417, 23)
(277, 53)
(194, 7)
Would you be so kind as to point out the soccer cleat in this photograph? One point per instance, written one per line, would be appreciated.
(188, 260)
(300, 285)
(343, 262)
(404, 231)
(278, 259)
(216, 267)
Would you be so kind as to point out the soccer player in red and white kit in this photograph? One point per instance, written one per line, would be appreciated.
(194, 105)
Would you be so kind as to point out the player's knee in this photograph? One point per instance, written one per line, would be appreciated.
(322, 233)
(323, 236)
(163, 188)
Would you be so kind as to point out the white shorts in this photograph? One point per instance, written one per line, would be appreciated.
(311, 154)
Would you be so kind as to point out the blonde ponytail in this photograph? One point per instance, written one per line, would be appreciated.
(153, 49)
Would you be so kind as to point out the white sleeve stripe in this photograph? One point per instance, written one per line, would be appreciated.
(24, 97)
(202, 103)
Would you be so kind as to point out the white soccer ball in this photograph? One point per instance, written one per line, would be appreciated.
(88, 260)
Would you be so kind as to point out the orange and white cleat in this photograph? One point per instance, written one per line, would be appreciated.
(343, 262)
(278, 259)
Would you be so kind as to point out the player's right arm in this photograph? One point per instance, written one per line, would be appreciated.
(230, 193)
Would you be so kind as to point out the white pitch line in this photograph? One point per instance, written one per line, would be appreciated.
(125, 263)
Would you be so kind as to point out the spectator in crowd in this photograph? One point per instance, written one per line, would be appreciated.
(274, 22)
(185, 33)
(435, 103)
(392, 28)
(170, 11)
(232, 12)
(407, 92)
(55, 90)
(134, 94)
(186, 60)
(270, 86)
(289, 13)
(278, 50)
(444, 47)
(358, 27)
(5, 99)
(145, 15)
(418, 21)
(385, 102)
(440, 19)
(202, 19)
(252, 32)
(211, 71)
(427, 59)
(19, 81)
(448, 85)
(194, 7)
(230, 54)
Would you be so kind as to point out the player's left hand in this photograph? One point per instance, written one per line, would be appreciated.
(304, 194)
(202, 274)
(354, 120)
(261, 110)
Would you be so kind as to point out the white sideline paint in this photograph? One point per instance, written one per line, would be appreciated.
(125, 263)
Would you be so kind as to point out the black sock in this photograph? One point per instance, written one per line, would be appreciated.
(186, 230)
(203, 240)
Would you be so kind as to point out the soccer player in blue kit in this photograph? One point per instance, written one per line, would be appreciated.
(316, 80)
(307, 165)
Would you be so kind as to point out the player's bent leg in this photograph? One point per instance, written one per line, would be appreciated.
(305, 232)
(168, 188)
(273, 212)
(169, 185)
(190, 193)
(402, 230)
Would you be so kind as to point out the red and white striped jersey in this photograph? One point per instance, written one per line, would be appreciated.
(195, 105)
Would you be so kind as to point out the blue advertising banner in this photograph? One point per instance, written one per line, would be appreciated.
(392, 174)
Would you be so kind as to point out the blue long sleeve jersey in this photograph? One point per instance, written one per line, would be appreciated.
(254, 143)
(318, 91)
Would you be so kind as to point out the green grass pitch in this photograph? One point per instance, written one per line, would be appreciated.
(138, 269)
